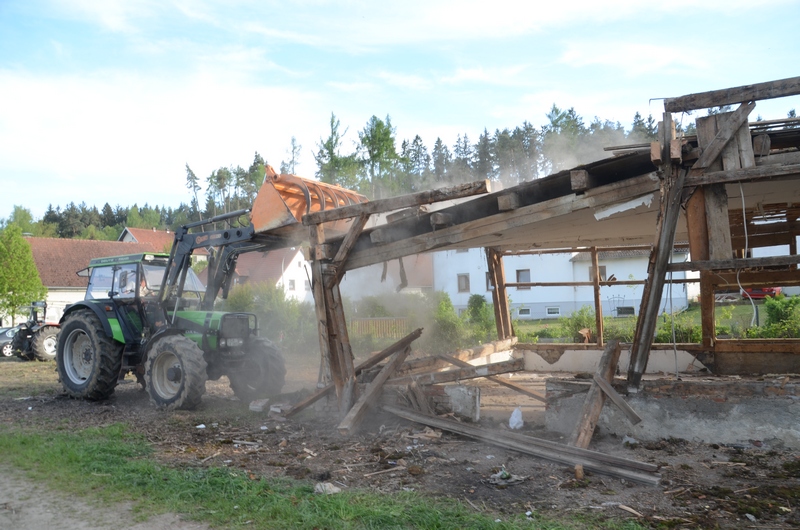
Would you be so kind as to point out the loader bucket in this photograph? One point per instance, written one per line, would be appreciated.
(284, 199)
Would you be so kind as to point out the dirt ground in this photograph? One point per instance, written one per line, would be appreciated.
(703, 485)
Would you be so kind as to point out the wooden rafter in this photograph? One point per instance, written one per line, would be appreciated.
(728, 96)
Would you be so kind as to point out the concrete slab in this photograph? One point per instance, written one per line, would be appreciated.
(711, 410)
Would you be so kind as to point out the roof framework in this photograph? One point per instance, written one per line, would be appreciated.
(732, 187)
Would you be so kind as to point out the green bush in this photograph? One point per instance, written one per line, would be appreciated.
(686, 330)
(621, 329)
(578, 320)
(781, 309)
(480, 319)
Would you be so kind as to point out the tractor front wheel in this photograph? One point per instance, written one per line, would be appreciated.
(87, 360)
(175, 373)
(261, 374)
(44, 343)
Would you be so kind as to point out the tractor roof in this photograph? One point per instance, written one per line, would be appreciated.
(128, 258)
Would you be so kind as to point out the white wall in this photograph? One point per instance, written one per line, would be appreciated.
(296, 279)
(550, 268)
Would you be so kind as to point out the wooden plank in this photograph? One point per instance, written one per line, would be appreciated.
(675, 151)
(509, 201)
(434, 362)
(759, 172)
(728, 96)
(618, 400)
(366, 365)
(396, 203)
(461, 374)
(405, 214)
(734, 264)
(546, 449)
(724, 135)
(593, 405)
(355, 416)
(504, 382)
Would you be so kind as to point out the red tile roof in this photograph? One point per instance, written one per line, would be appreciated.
(260, 267)
(57, 260)
(160, 239)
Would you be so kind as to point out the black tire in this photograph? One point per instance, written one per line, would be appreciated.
(87, 360)
(260, 375)
(44, 343)
(175, 373)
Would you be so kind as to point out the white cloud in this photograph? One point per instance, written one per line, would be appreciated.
(633, 58)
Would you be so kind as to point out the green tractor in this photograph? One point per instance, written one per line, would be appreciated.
(150, 315)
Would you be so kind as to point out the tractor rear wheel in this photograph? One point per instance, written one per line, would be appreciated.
(87, 360)
(44, 343)
(175, 373)
(261, 374)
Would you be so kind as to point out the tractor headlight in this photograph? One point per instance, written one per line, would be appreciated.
(231, 343)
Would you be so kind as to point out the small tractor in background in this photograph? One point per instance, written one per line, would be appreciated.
(149, 314)
(36, 338)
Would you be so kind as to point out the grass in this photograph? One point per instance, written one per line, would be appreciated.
(114, 465)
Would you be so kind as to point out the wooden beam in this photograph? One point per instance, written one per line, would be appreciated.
(396, 203)
(675, 151)
(344, 249)
(669, 211)
(546, 449)
(734, 264)
(593, 405)
(522, 216)
(581, 180)
(405, 214)
(614, 396)
(369, 363)
(497, 279)
(461, 374)
(439, 219)
(724, 135)
(509, 201)
(504, 382)
(598, 304)
(655, 154)
(759, 172)
(434, 362)
(355, 416)
(728, 96)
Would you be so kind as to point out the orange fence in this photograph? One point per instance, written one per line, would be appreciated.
(379, 328)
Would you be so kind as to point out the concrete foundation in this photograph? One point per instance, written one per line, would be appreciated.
(580, 358)
(724, 411)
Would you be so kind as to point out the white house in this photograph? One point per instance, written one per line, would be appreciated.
(462, 273)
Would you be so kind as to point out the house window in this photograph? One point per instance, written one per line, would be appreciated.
(307, 285)
(463, 283)
(602, 273)
(524, 312)
(489, 282)
(553, 311)
(523, 275)
(291, 285)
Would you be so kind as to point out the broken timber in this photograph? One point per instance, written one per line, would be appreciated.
(472, 372)
(435, 362)
(546, 449)
(355, 416)
(366, 365)
(504, 382)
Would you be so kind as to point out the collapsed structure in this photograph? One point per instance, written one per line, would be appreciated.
(726, 190)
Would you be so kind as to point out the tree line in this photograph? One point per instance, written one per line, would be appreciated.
(377, 165)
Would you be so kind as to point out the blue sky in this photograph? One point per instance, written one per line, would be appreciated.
(107, 100)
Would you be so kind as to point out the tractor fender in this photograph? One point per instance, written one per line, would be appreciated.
(108, 319)
(155, 337)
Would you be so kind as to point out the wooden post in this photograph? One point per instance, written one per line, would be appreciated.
(329, 368)
(698, 248)
(670, 208)
(598, 303)
(497, 278)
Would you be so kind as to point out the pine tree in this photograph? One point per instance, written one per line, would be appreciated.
(20, 283)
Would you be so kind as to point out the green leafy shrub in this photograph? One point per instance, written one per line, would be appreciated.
(578, 320)
(686, 330)
(621, 329)
(480, 319)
